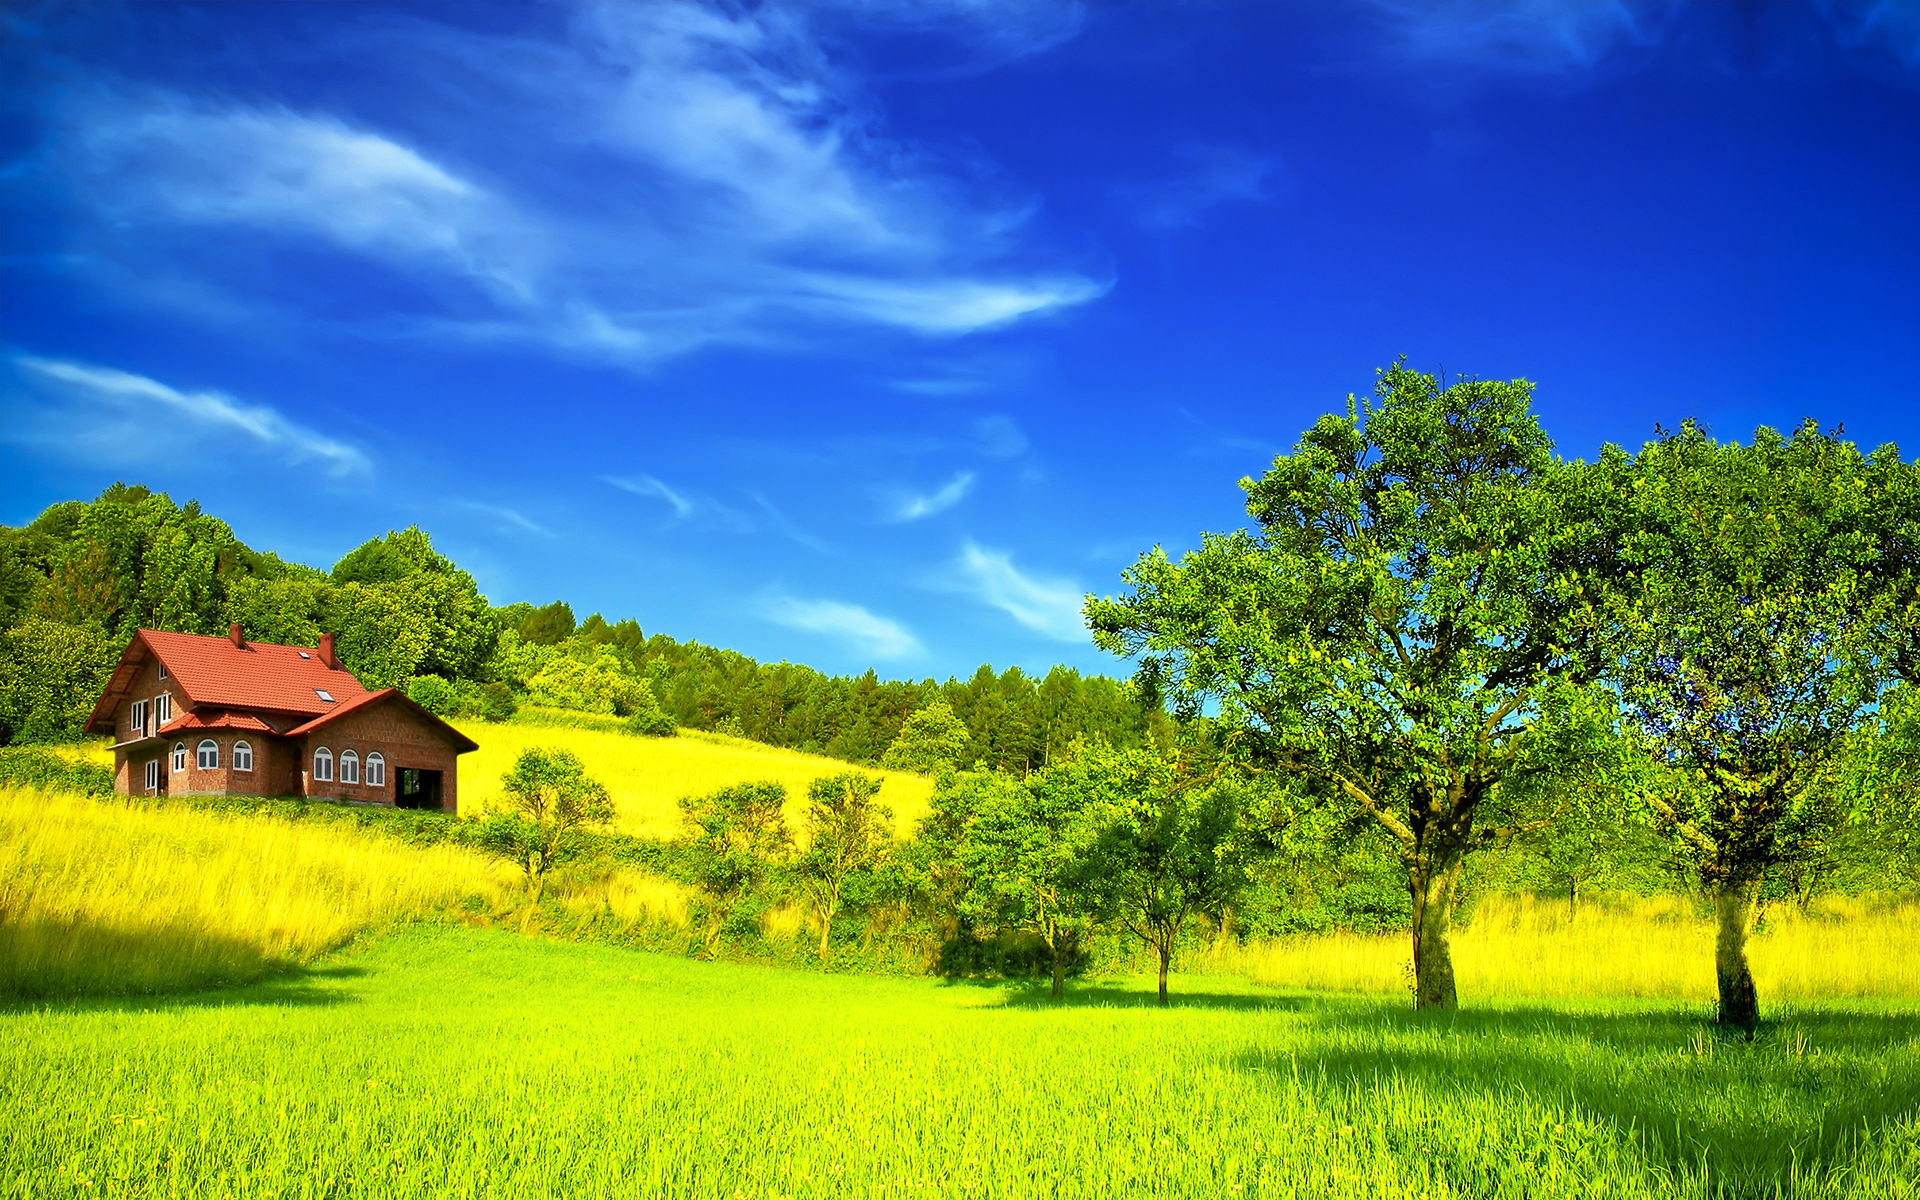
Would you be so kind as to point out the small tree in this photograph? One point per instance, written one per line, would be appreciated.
(931, 739)
(848, 830)
(1168, 847)
(551, 804)
(1023, 855)
(734, 836)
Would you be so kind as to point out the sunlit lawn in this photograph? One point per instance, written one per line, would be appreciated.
(453, 1062)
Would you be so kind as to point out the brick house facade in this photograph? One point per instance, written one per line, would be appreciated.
(195, 715)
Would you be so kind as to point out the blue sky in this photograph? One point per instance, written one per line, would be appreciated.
(861, 334)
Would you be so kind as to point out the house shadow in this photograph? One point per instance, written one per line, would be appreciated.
(90, 966)
(1667, 1079)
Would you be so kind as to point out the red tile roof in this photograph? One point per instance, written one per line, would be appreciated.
(461, 741)
(214, 719)
(212, 671)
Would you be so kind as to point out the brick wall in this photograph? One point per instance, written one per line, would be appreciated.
(392, 730)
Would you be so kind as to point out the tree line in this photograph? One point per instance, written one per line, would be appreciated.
(79, 579)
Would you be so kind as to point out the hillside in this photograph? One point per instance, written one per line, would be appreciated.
(648, 775)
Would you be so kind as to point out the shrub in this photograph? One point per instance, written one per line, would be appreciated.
(438, 696)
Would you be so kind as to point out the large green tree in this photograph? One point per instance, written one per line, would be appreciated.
(1752, 642)
(1406, 624)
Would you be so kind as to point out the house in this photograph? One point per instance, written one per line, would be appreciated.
(196, 715)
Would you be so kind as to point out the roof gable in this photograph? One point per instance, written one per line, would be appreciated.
(461, 742)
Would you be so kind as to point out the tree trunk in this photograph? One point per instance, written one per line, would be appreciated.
(826, 931)
(533, 901)
(1166, 956)
(1739, 1006)
(1059, 972)
(1432, 891)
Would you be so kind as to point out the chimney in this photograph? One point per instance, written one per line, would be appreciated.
(233, 632)
(327, 658)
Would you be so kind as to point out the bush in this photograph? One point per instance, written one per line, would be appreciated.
(28, 766)
(438, 696)
(651, 722)
(492, 702)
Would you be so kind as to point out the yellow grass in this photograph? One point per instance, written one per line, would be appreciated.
(647, 776)
(635, 898)
(100, 895)
(1520, 946)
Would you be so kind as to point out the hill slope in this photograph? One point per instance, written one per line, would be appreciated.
(647, 776)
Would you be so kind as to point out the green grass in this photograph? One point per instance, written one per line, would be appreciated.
(444, 1061)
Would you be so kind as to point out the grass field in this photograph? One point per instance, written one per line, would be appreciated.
(453, 1062)
(118, 896)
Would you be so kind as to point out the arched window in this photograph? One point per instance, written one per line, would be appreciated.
(376, 770)
(349, 767)
(323, 765)
(179, 756)
(242, 757)
(207, 755)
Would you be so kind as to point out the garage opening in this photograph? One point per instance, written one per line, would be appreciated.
(417, 788)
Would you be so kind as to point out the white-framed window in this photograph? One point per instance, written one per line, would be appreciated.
(242, 756)
(324, 694)
(323, 765)
(376, 770)
(137, 720)
(207, 755)
(162, 709)
(179, 756)
(163, 670)
(153, 774)
(349, 767)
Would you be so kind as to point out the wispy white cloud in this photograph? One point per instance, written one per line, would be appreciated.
(1046, 605)
(787, 527)
(115, 415)
(676, 176)
(914, 506)
(1523, 35)
(509, 519)
(1211, 176)
(850, 624)
(649, 486)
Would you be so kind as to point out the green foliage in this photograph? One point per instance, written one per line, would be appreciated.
(434, 694)
(1167, 847)
(848, 831)
(51, 674)
(1749, 643)
(605, 684)
(1406, 625)
(932, 739)
(31, 766)
(734, 838)
(547, 626)
(1013, 855)
(552, 803)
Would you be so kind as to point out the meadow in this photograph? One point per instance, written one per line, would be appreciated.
(228, 1005)
(443, 1061)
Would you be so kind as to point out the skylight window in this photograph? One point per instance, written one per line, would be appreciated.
(304, 654)
(324, 694)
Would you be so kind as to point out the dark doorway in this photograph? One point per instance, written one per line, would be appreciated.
(417, 788)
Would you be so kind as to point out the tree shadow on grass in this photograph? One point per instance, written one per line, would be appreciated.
(89, 966)
(1756, 1115)
(1038, 994)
